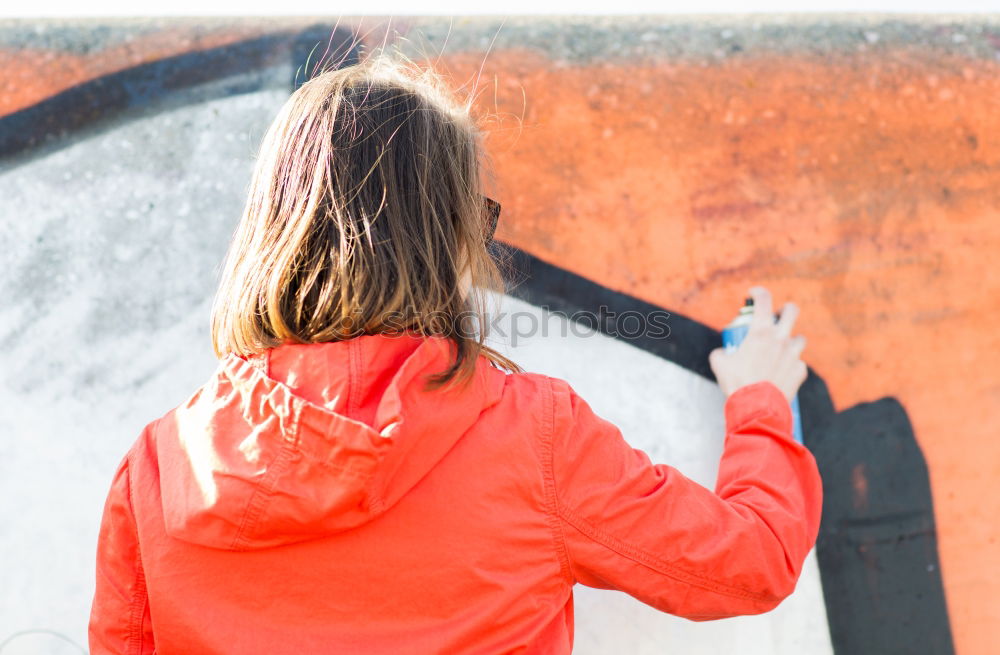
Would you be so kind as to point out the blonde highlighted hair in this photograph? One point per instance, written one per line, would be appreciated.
(365, 209)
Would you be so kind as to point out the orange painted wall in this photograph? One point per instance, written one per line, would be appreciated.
(866, 188)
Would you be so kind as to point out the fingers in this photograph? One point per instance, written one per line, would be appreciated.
(802, 371)
(797, 369)
(716, 362)
(763, 310)
(786, 321)
(715, 357)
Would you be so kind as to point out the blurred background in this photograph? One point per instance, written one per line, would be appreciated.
(847, 156)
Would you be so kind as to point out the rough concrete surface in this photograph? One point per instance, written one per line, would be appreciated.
(851, 163)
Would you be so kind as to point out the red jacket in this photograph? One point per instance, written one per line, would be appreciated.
(317, 500)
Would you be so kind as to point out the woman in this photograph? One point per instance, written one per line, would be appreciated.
(363, 474)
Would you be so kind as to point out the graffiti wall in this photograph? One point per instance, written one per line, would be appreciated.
(643, 165)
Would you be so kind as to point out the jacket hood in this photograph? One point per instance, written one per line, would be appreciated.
(307, 440)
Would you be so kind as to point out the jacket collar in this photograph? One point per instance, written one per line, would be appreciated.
(307, 440)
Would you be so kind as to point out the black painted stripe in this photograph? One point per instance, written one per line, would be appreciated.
(155, 85)
(545, 285)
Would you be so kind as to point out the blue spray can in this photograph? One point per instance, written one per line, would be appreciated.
(733, 335)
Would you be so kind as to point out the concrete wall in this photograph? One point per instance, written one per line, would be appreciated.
(850, 164)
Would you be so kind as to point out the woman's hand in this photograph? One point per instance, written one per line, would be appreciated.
(768, 352)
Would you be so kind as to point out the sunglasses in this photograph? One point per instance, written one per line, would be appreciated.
(493, 211)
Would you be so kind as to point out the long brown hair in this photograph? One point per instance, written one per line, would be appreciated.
(365, 208)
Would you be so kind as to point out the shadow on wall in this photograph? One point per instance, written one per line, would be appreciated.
(877, 547)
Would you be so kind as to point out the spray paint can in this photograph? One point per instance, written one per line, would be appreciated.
(733, 335)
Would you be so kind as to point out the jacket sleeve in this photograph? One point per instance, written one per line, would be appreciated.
(648, 530)
(119, 616)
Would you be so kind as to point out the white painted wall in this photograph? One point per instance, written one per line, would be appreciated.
(110, 254)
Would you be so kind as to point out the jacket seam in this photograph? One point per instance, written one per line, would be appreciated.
(549, 481)
(140, 598)
(641, 556)
(261, 493)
